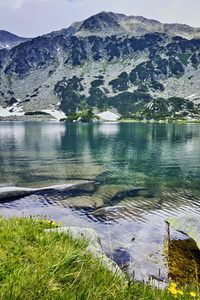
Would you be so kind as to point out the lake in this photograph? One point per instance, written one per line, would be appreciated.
(142, 174)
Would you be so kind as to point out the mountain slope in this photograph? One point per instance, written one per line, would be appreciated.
(139, 67)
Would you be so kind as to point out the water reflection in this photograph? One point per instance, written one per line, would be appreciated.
(109, 129)
(167, 152)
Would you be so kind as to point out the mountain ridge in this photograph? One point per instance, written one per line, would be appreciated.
(132, 25)
(106, 61)
(9, 40)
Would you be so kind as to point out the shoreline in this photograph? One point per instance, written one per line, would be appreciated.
(50, 118)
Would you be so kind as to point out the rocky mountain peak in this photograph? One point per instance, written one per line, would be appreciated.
(109, 23)
(102, 22)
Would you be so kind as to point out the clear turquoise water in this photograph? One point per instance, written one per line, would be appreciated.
(158, 164)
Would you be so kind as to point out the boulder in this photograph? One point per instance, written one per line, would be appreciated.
(189, 225)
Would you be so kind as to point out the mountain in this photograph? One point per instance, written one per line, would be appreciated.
(9, 40)
(138, 67)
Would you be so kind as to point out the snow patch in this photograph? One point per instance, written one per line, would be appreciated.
(4, 47)
(191, 96)
(11, 111)
(108, 115)
(55, 113)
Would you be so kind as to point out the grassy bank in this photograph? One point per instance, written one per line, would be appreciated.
(37, 265)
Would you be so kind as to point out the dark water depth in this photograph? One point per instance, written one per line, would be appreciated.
(143, 173)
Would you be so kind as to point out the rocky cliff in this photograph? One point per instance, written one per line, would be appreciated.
(139, 67)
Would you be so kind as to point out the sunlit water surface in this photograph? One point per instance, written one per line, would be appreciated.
(151, 170)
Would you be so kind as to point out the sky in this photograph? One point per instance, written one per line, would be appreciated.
(31, 18)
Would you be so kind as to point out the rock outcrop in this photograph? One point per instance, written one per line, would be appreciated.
(189, 225)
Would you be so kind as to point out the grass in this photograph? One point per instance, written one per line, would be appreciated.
(39, 265)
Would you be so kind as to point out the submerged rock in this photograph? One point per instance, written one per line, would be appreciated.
(83, 201)
(113, 212)
(128, 193)
(86, 171)
(111, 194)
(121, 256)
(117, 212)
(107, 192)
(142, 261)
(189, 225)
(11, 193)
(141, 203)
